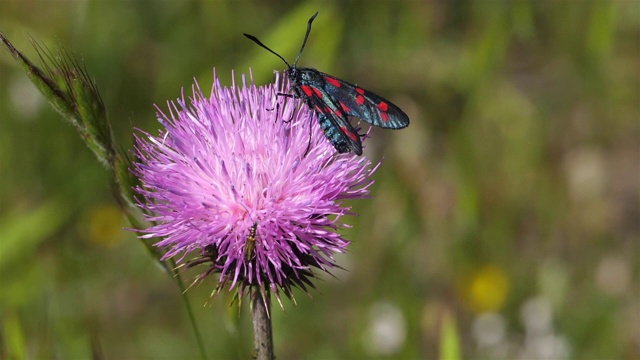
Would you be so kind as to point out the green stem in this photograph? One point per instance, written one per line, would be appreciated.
(262, 331)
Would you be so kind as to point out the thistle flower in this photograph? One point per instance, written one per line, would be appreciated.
(245, 183)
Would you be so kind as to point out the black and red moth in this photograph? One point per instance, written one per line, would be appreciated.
(334, 99)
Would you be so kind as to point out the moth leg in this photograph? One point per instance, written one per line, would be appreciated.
(308, 144)
(290, 97)
(277, 109)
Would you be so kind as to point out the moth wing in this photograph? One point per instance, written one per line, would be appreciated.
(335, 124)
(361, 103)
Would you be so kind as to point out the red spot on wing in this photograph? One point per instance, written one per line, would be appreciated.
(332, 81)
(360, 91)
(344, 107)
(349, 133)
(359, 99)
(383, 106)
(384, 116)
(317, 92)
(307, 90)
(338, 112)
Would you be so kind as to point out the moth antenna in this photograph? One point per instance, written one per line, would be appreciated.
(306, 36)
(255, 40)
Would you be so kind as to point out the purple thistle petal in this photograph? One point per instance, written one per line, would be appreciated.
(236, 161)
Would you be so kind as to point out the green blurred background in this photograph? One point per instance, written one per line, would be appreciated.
(509, 206)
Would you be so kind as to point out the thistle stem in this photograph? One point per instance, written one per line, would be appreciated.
(262, 333)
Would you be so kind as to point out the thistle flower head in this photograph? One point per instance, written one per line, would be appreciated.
(229, 183)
